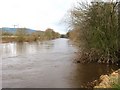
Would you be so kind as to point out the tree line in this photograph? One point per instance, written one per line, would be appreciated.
(22, 34)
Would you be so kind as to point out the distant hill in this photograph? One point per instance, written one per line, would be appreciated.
(13, 30)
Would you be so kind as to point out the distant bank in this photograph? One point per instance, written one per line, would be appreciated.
(27, 35)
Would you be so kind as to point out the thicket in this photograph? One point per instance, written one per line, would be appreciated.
(96, 26)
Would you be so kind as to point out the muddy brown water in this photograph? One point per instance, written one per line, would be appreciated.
(47, 64)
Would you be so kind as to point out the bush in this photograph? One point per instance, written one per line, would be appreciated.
(98, 30)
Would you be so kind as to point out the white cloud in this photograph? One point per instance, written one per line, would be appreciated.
(35, 14)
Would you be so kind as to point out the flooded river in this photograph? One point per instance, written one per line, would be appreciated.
(47, 64)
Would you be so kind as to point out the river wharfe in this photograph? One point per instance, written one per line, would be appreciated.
(46, 64)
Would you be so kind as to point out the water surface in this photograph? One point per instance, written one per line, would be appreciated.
(47, 64)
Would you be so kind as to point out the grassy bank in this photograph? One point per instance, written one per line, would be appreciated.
(24, 39)
(8, 39)
(22, 35)
(109, 81)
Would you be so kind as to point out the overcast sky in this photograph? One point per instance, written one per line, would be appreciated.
(34, 14)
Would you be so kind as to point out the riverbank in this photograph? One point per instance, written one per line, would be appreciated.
(25, 39)
(94, 56)
(23, 35)
(106, 80)
(109, 81)
(8, 39)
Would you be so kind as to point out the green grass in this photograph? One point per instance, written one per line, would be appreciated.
(115, 83)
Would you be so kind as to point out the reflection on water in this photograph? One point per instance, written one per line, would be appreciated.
(15, 49)
(46, 64)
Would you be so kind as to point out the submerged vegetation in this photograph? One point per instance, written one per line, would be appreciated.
(96, 27)
(23, 35)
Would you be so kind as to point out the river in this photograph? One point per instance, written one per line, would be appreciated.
(46, 64)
